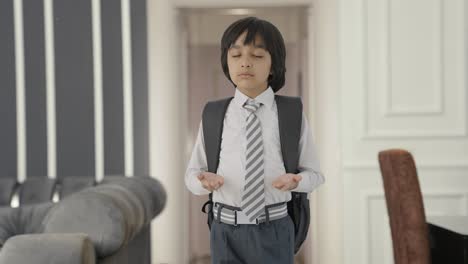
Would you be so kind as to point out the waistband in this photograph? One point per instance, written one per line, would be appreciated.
(234, 216)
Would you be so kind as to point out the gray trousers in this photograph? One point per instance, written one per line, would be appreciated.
(253, 244)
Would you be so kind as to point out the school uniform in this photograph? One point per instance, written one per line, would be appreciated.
(270, 237)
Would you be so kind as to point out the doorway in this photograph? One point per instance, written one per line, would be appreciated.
(206, 82)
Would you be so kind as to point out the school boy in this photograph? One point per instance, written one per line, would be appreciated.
(251, 187)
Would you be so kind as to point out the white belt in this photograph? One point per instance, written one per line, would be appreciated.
(234, 215)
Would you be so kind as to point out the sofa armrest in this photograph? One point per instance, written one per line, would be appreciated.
(48, 249)
(111, 214)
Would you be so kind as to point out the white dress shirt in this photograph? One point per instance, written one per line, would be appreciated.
(232, 154)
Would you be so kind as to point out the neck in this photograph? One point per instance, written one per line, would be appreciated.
(252, 93)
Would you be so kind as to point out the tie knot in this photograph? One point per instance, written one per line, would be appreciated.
(251, 105)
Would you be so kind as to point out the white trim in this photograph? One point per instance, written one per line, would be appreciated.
(20, 92)
(426, 164)
(239, 3)
(127, 87)
(98, 100)
(50, 88)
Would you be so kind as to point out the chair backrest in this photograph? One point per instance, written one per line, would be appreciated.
(405, 207)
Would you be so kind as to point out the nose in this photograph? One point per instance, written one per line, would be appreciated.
(246, 63)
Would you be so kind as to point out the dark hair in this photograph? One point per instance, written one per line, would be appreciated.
(272, 39)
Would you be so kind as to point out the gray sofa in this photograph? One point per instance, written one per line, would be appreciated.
(104, 223)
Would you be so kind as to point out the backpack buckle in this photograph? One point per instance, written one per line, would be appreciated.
(210, 203)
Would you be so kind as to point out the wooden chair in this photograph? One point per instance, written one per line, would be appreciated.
(405, 207)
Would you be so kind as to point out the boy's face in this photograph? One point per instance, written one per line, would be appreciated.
(249, 66)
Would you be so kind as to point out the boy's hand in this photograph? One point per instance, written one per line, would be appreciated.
(210, 181)
(287, 182)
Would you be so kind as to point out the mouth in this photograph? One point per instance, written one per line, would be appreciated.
(245, 75)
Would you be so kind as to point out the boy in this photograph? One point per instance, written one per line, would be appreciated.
(251, 187)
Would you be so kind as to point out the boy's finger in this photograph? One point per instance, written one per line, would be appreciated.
(278, 185)
(201, 176)
(297, 178)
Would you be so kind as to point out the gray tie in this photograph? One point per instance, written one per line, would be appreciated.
(253, 198)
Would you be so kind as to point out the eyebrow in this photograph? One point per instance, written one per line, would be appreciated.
(259, 46)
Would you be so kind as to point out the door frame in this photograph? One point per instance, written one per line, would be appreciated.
(168, 131)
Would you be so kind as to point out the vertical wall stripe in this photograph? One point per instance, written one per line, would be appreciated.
(8, 135)
(140, 87)
(112, 87)
(50, 88)
(98, 101)
(74, 88)
(20, 95)
(35, 88)
(127, 87)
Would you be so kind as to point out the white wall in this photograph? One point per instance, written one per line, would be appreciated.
(403, 83)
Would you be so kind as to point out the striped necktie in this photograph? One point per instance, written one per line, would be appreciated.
(253, 197)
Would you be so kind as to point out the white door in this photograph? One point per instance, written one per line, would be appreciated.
(403, 85)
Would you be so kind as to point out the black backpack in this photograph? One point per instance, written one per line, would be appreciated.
(289, 121)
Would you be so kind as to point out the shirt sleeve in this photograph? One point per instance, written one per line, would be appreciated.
(309, 167)
(196, 165)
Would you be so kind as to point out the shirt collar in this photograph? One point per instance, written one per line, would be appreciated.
(267, 97)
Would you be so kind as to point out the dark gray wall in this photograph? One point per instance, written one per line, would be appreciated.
(7, 92)
(74, 87)
(112, 87)
(35, 87)
(74, 81)
(140, 84)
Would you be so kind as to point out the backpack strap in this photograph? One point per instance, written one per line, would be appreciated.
(213, 120)
(290, 122)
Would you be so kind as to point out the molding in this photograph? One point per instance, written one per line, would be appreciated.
(372, 195)
(50, 88)
(369, 165)
(20, 91)
(366, 198)
(371, 134)
(387, 243)
(127, 88)
(438, 108)
(98, 91)
(392, 134)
